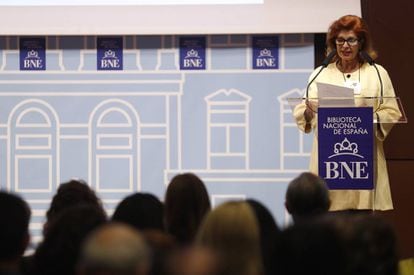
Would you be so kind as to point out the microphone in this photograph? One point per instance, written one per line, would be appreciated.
(328, 59)
(325, 63)
(364, 55)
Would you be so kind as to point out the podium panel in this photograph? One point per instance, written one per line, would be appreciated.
(345, 148)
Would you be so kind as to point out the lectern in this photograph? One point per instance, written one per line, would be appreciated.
(345, 130)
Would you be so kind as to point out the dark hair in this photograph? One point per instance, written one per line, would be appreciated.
(307, 195)
(186, 204)
(358, 26)
(14, 234)
(60, 249)
(140, 210)
(69, 194)
(269, 234)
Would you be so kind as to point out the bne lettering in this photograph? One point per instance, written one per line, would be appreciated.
(32, 63)
(342, 170)
(197, 63)
(110, 63)
(265, 62)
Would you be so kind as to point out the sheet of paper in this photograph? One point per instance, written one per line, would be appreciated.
(335, 96)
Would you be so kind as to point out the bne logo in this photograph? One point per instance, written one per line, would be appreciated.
(32, 60)
(193, 63)
(265, 59)
(346, 169)
(33, 64)
(192, 60)
(110, 61)
(265, 62)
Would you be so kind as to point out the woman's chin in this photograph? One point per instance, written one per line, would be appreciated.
(347, 58)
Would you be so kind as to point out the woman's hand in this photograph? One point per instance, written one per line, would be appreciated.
(309, 111)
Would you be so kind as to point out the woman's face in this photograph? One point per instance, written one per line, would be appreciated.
(347, 46)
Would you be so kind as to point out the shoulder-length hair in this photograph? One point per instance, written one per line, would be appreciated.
(232, 231)
(358, 26)
(186, 204)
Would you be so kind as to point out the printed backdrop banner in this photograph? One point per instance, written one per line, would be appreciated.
(346, 147)
(133, 130)
(32, 54)
(193, 53)
(110, 54)
(265, 52)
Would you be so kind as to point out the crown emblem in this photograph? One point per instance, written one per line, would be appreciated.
(109, 54)
(32, 54)
(192, 54)
(346, 147)
(265, 53)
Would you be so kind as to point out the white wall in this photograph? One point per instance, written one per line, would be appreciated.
(127, 18)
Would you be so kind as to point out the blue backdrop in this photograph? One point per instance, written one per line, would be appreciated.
(132, 128)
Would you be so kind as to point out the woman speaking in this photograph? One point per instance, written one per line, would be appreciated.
(350, 55)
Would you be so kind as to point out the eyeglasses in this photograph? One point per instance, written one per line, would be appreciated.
(352, 41)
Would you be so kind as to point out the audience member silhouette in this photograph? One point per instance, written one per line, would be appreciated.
(313, 247)
(14, 231)
(231, 230)
(236, 238)
(161, 245)
(307, 196)
(186, 204)
(59, 251)
(69, 194)
(141, 210)
(114, 249)
(269, 233)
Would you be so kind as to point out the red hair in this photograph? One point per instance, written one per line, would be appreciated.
(350, 23)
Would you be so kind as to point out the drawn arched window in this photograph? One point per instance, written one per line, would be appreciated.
(228, 130)
(33, 148)
(114, 147)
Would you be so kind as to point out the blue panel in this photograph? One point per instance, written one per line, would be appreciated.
(299, 57)
(74, 159)
(238, 140)
(115, 174)
(33, 173)
(218, 139)
(297, 163)
(291, 140)
(228, 162)
(228, 58)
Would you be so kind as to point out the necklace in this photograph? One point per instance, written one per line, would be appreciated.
(348, 75)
